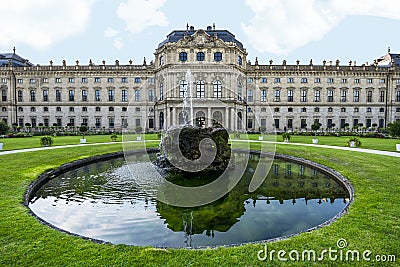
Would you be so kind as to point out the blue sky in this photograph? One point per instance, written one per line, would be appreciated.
(44, 30)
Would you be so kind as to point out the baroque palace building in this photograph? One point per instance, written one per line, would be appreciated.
(225, 87)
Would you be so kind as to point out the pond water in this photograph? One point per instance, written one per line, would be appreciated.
(103, 201)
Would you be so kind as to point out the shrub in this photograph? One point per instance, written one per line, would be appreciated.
(394, 128)
(113, 137)
(138, 130)
(286, 136)
(83, 129)
(4, 128)
(46, 140)
(262, 129)
(356, 141)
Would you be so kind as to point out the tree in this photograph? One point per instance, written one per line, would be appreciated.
(394, 128)
(4, 128)
(315, 127)
(83, 129)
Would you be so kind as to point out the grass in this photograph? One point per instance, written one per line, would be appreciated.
(32, 142)
(372, 222)
(370, 143)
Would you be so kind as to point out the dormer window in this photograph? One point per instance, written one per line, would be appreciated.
(182, 56)
(217, 56)
(161, 60)
(200, 56)
(240, 60)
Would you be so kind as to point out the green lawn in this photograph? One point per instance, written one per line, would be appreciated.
(372, 222)
(370, 143)
(32, 142)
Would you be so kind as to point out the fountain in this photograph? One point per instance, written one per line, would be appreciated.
(189, 148)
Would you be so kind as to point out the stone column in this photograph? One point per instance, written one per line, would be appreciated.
(209, 117)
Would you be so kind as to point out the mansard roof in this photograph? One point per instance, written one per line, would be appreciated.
(224, 35)
(389, 60)
(16, 60)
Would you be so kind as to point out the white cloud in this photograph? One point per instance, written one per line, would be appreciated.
(41, 23)
(110, 32)
(139, 14)
(281, 26)
(118, 43)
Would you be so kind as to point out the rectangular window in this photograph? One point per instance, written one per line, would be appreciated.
(250, 97)
(263, 123)
(58, 80)
(71, 122)
(398, 96)
(343, 95)
(303, 80)
(317, 80)
(330, 80)
(71, 95)
(368, 123)
(369, 80)
(151, 123)
(330, 95)
(356, 96)
(303, 123)
(111, 95)
(277, 80)
(33, 96)
(161, 91)
(303, 96)
(110, 123)
(20, 81)
(137, 80)
(200, 90)
(317, 96)
(277, 95)
(97, 95)
(97, 80)
(124, 123)
(59, 122)
(84, 96)
(20, 96)
(369, 96)
(124, 80)
(45, 95)
(137, 95)
(46, 122)
(276, 123)
(249, 80)
(151, 96)
(290, 95)
(218, 90)
(290, 80)
(124, 95)
(3, 95)
(357, 81)
(110, 80)
(263, 80)
(98, 123)
(263, 95)
(32, 80)
(249, 123)
(382, 81)
(84, 80)
(3, 80)
(382, 96)
(137, 122)
(344, 80)
(151, 80)
(58, 95)
(71, 80)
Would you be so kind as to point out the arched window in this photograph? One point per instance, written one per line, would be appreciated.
(200, 119)
(161, 91)
(217, 117)
(161, 120)
(182, 89)
(239, 91)
(217, 89)
(239, 120)
(200, 89)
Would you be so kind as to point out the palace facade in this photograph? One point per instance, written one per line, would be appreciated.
(224, 86)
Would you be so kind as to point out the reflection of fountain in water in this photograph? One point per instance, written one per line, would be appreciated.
(187, 229)
(187, 109)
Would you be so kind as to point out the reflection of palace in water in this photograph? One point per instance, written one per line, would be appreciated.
(227, 87)
(286, 183)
